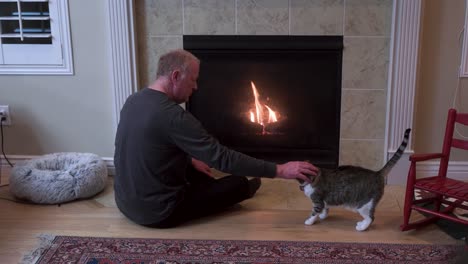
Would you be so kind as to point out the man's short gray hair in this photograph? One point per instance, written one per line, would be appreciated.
(178, 59)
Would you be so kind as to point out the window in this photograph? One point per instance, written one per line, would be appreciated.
(35, 37)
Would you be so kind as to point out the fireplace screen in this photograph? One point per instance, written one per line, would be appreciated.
(271, 97)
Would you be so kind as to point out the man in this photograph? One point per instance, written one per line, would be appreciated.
(163, 154)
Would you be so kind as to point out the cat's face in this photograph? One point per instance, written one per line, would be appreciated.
(302, 184)
(306, 188)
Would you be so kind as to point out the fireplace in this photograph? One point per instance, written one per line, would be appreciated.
(272, 97)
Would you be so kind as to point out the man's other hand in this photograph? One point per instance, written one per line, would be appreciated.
(202, 167)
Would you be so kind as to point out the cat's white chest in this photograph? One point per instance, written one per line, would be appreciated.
(308, 190)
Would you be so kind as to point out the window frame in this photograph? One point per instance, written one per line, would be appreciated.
(42, 59)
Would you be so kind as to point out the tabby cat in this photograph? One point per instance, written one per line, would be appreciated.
(352, 187)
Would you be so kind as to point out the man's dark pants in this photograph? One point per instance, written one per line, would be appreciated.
(206, 195)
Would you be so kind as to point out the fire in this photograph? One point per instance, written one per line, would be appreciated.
(262, 114)
(271, 115)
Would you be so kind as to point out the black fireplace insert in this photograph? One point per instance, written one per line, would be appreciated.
(272, 97)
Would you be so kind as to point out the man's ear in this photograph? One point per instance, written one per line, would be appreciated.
(175, 75)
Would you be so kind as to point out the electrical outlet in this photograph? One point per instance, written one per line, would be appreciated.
(5, 113)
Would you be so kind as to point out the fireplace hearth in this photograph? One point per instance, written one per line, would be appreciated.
(271, 97)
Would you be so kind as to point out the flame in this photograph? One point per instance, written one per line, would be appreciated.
(271, 115)
(261, 114)
(252, 117)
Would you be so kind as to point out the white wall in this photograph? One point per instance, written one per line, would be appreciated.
(440, 54)
(66, 113)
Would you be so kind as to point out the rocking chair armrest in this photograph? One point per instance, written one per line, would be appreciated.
(427, 156)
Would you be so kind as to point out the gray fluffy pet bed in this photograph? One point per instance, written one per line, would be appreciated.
(58, 178)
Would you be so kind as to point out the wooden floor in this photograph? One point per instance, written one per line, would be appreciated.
(277, 212)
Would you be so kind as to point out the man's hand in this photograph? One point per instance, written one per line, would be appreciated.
(202, 167)
(296, 170)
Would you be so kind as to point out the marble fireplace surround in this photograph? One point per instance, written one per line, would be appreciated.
(388, 108)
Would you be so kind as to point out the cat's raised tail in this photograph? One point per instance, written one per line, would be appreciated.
(389, 165)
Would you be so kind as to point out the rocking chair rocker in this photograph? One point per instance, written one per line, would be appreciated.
(444, 191)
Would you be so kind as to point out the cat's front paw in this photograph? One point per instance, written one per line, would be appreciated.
(310, 220)
(323, 214)
(363, 225)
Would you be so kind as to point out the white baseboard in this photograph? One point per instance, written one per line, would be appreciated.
(456, 169)
(398, 176)
(14, 159)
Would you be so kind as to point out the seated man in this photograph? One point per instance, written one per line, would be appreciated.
(163, 154)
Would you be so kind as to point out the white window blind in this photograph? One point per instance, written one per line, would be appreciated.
(34, 37)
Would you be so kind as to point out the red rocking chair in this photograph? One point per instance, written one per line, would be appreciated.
(444, 191)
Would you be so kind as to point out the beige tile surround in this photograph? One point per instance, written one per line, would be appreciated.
(365, 25)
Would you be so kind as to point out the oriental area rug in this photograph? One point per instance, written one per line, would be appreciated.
(94, 250)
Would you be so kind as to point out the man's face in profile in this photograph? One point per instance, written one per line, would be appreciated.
(186, 83)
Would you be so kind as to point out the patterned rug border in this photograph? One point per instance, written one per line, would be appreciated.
(247, 241)
(216, 251)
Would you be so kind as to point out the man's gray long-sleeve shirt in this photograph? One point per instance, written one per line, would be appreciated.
(155, 141)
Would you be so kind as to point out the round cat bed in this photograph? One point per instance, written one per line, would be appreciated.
(58, 178)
